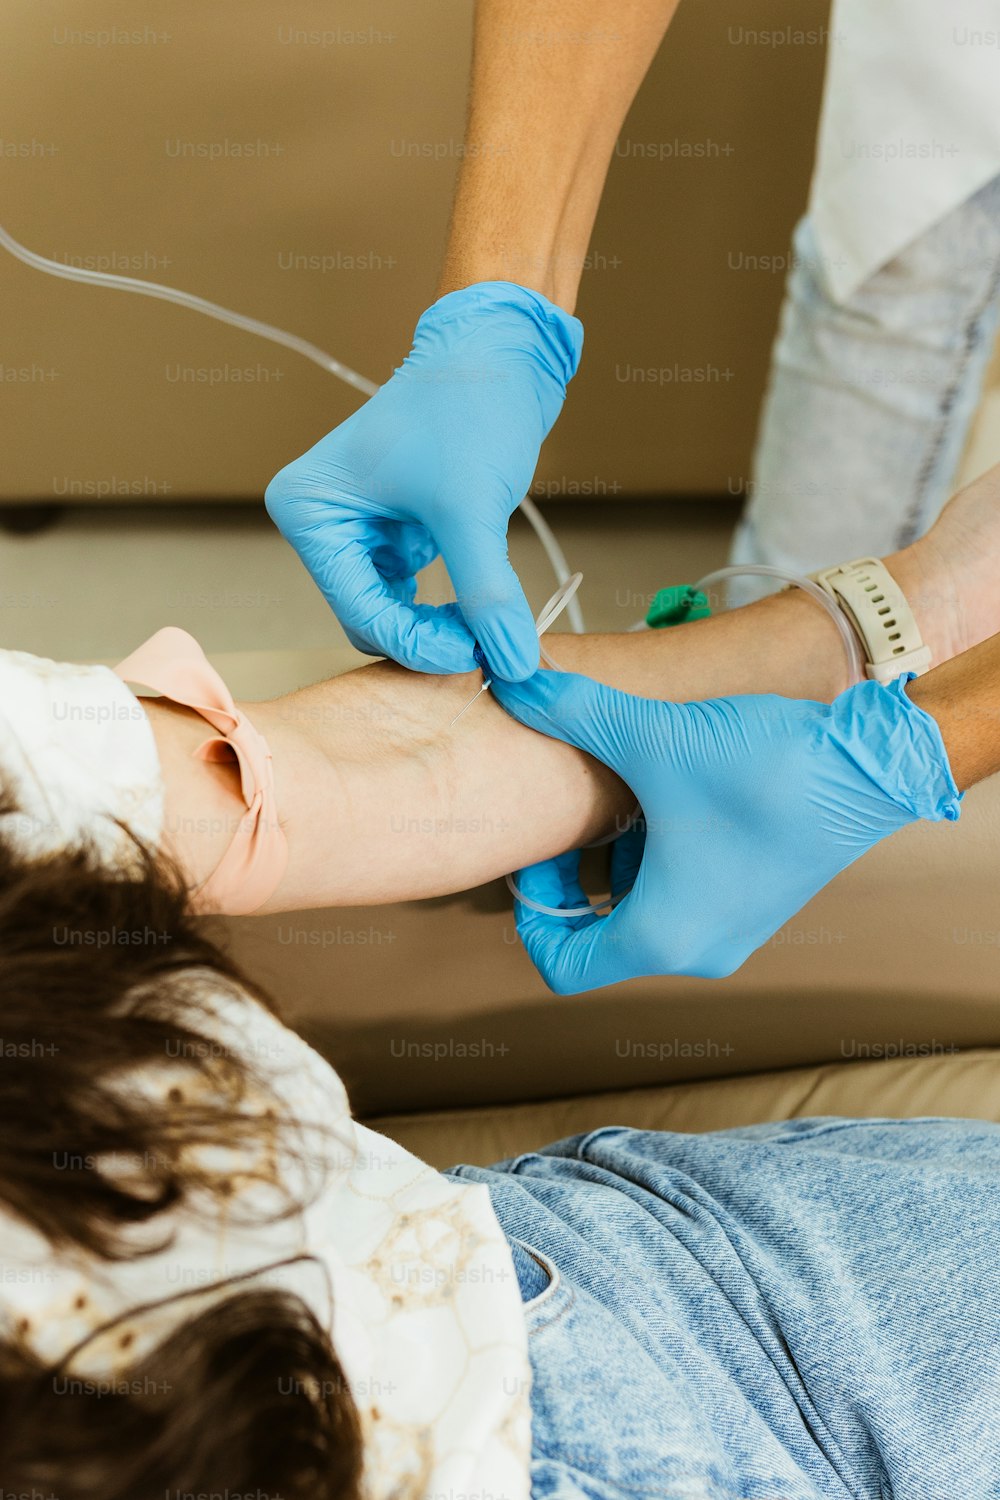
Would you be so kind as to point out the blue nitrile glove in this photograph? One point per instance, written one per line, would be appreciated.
(436, 461)
(750, 805)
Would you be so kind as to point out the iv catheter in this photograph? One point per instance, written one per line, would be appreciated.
(547, 615)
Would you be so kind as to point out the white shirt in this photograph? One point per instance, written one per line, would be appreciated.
(910, 126)
(408, 1272)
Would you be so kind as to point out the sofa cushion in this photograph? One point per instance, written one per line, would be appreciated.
(964, 1085)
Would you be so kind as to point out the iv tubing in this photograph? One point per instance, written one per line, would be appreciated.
(766, 570)
(291, 341)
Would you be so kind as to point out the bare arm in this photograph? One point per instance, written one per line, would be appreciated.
(383, 801)
(552, 81)
(963, 695)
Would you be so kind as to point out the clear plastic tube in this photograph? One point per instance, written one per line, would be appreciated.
(554, 553)
(592, 908)
(196, 304)
(765, 570)
(291, 341)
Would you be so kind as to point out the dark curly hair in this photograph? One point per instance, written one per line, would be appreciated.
(246, 1397)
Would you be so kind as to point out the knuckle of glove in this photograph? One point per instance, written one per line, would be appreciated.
(279, 495)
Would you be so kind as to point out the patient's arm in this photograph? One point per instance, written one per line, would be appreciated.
(382, 800)
(963, 695)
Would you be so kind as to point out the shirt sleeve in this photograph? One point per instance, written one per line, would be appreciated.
(77, 759)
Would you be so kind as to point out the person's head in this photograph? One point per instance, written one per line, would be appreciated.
(244, 1396)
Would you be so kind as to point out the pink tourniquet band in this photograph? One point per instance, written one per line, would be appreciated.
(172, 663)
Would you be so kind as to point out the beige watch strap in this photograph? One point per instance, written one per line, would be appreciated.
(876, 606)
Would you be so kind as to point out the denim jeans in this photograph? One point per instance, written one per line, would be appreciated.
(808, 1309)
(870, 401)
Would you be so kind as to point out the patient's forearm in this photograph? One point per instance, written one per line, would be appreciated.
(388, 802)
(382, 800)
(963, 695)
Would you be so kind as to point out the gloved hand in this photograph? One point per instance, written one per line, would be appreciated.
(436, 461)
(751, 805)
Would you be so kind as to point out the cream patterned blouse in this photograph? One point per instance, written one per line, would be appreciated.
(408, 1271)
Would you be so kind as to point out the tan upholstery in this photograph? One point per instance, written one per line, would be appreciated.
(348, 122)
(444, 1033)
(966, 1085)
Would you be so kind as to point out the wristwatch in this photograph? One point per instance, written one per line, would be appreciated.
(876, 606)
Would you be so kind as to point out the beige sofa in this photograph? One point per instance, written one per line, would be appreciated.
(298, 165)
(882, 997)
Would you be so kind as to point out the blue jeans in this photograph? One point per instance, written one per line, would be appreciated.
(809, 1309)
(870, 401)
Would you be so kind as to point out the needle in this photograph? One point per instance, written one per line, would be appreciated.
(550, 612)
(465, 710)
